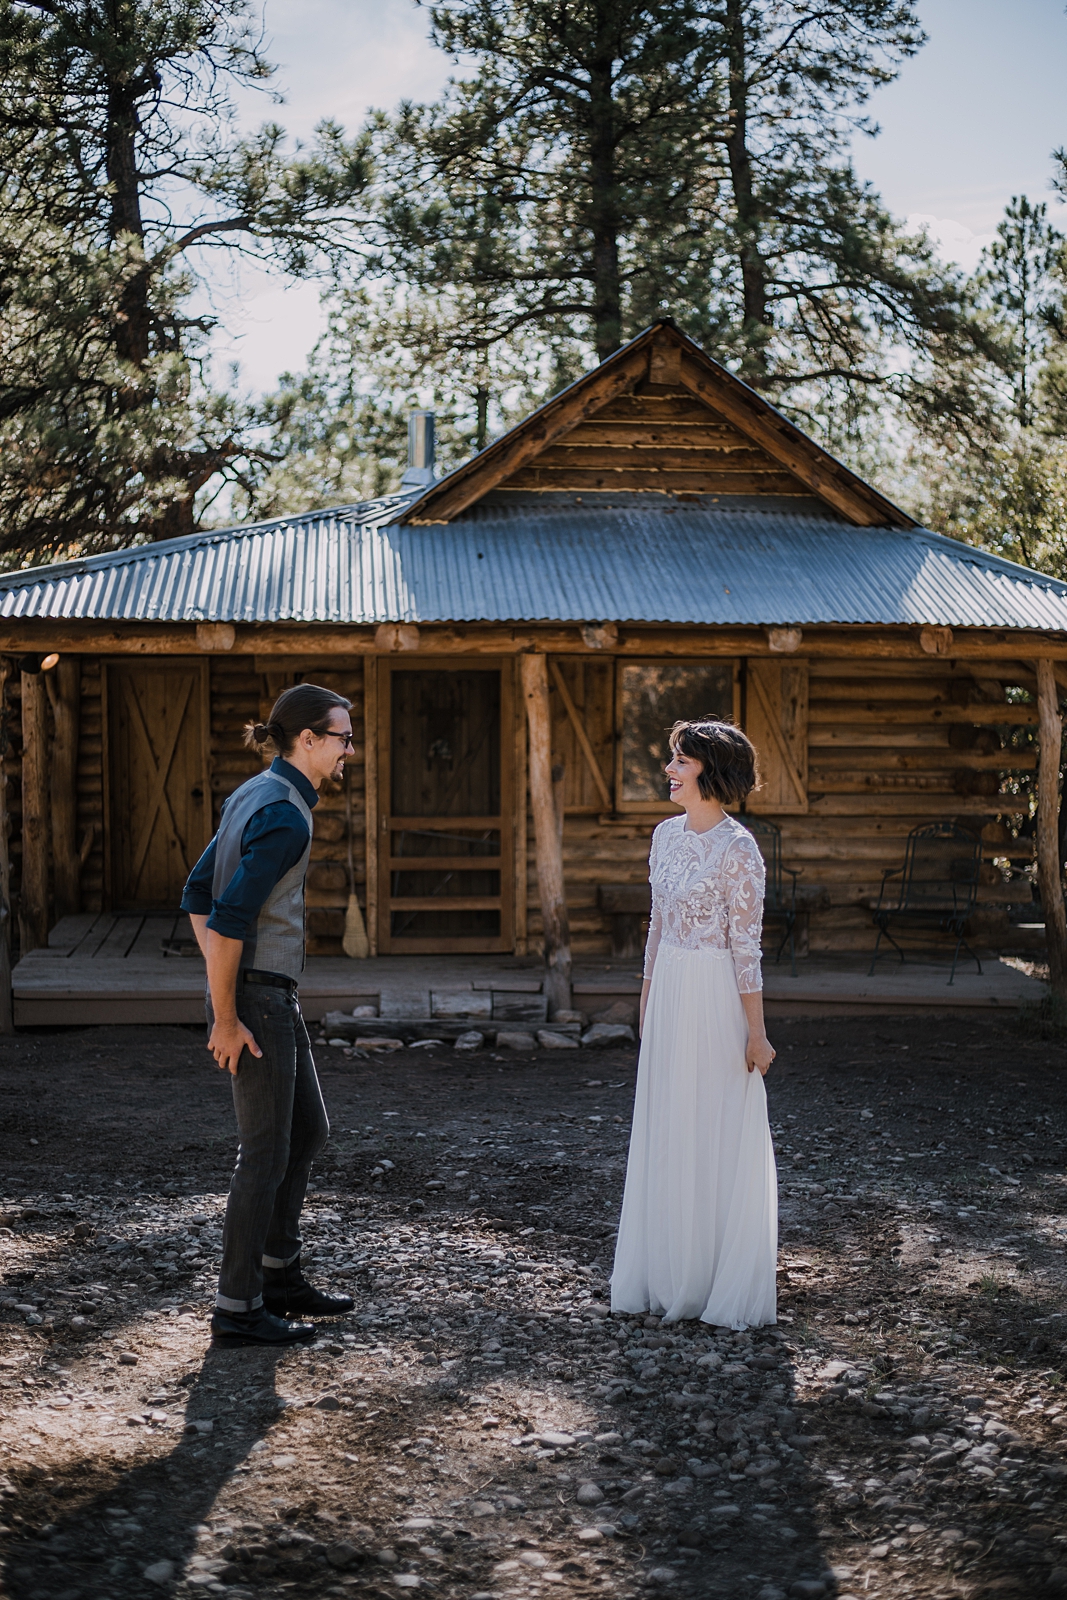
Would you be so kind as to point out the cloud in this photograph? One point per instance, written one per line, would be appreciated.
(953, 240)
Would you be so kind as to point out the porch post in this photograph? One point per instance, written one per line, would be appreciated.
(1049, 865)
(7, 1021)
(547, 840)
(33, 898)
(64, 686)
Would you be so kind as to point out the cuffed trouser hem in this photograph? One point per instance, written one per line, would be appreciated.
(277, 1264)
(224, 1303)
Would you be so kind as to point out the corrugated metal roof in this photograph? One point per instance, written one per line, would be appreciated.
(611, 558)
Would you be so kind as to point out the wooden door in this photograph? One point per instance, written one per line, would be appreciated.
(158, 801)
(446, 863)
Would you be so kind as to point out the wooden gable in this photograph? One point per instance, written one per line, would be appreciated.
(659, 439)
(662, 417)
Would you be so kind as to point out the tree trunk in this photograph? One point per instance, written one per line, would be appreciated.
(554, 917)
(63, 691)
(604, 200)
(124, 186)
(33, 898)
(1049, 865)
(746, 206)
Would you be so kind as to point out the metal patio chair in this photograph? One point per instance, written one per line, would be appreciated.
(780, 900)
(938, 887)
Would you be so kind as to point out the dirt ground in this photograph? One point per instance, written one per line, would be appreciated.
(480, 1427)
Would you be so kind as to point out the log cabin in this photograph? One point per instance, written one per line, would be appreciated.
(655, 542)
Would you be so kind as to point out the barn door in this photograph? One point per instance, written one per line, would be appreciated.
(776, 720)
(446, 869)
(159, 791)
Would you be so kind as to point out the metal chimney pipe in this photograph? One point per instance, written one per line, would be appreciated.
(420, 450)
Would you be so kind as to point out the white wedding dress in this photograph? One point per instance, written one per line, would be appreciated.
(698, 1235)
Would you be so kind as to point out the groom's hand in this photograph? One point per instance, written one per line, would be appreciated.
(227, 1041)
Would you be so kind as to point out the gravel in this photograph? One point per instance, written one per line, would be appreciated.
(902, 1425)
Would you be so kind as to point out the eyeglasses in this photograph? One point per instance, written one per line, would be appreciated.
(345, 738)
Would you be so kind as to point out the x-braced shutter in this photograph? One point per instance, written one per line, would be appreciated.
(776, 720)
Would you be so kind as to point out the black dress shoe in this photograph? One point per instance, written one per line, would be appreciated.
(287, 1293)
(303, 1300)
(232, 1328)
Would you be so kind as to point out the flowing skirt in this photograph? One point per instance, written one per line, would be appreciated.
(698, 1235)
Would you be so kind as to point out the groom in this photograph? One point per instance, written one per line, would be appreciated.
(245, 899)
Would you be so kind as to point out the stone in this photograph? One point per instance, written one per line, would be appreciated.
(533, 1558)
(589, 1494)
(160, 1572)
(127, 1358)
(605, 1036)
(590, 1535)
(342, 1554)
(483, 1508)
(524, 1042)
(663, 1575)
(555, 1441)
(555, 1041)
(471, 1040)
(406, 1580)
(329, 1402)
(724, 1513)
(619, 1011)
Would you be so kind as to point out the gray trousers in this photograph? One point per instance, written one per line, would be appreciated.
(282, 1126)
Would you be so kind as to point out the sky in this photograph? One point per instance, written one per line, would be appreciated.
(970, 121)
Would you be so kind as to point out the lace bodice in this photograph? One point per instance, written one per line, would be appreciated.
(707, 894)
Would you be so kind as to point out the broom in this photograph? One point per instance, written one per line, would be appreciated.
(354, 944)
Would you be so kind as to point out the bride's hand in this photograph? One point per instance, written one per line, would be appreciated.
(759, 1053)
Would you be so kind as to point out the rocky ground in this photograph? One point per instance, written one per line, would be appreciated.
(480, 1427)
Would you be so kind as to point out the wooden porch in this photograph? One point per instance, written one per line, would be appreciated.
(102, 968)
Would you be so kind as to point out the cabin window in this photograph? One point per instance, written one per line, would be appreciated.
(651, 696)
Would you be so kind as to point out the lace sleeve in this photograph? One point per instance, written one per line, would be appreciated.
(745, 876)
(655, 923)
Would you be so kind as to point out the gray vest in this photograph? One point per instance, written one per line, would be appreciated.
(275, 941)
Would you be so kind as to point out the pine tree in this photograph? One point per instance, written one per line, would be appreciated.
(607, 161)
(1018, 279)
(120, 169)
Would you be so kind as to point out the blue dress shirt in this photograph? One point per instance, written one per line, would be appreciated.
(273, 841)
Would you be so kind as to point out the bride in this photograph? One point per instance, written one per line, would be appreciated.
(698, 1234)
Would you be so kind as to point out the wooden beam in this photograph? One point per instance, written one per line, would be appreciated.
(64, 691)
(469, 483)
(581, 736)
(373, 839)
(7, 1015)
(858, 642)
(518, 800)
(1049, 862)
(33, 896)
(554, 919)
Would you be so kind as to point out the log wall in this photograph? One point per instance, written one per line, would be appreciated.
(890, 743)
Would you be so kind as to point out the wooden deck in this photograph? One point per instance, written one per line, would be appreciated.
(135, 969)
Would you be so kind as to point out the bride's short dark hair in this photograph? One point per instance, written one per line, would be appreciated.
(728, 759)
